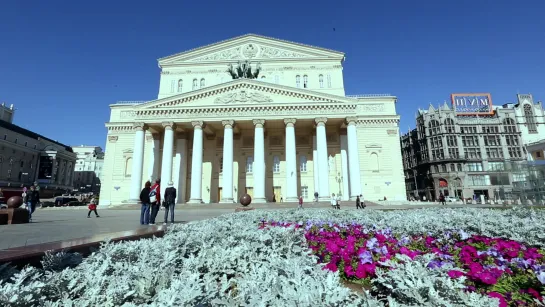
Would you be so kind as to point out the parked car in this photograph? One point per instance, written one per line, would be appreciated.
(63, 201)
(451, 199)
(74, 203)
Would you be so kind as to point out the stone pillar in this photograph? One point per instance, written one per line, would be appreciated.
(168, 151)
(227, 178)
(154, 158)
(344, 168)
(180, 175)
(259, 162)
(321, 145)
(196, 163)
(291, 162)
(315, 167)
(353, 158)
(137, 162)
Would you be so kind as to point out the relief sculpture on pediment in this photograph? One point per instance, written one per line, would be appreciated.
(229, 54)
(242, 97)
(271, 53)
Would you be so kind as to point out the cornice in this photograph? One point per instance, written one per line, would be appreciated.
(250, 35)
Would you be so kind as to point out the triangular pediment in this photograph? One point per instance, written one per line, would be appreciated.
(243, 92)
(250, 47)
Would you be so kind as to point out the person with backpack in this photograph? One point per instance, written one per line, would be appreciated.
(169, 202)
(144, 199)
(155, 200)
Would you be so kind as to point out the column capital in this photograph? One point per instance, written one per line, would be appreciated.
(259, 123)
(290, 122)
(351, 120)
(168, 125)
(320, 121)
(198, 124)
(151, 137)
(139, 126)
(228, 123)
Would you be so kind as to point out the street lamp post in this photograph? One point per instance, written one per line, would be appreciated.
(339, 180)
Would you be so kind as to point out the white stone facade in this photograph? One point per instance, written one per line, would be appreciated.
(293, 133)
(88, 170)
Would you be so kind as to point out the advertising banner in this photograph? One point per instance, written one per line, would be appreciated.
(472, 103)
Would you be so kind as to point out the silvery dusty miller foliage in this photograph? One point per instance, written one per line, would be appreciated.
(227, 261)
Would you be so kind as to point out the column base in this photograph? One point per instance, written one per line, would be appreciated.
(291, 199)
(228, 200)
(259, 200)
(195, 201)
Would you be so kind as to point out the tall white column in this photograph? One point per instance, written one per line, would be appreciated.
(196, 164)
(353, 158)
(291, 161)
(168, 152)
(259, 162)
(154, 158)
(344, 168)
(137, 162)
(180, 175)
(321, 145)
(227, 176)
(315, 167)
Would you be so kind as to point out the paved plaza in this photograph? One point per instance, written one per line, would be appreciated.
(57, 224)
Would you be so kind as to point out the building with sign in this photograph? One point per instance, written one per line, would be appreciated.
(27, 157)
(254, 115)
(88, 171)
(467, 148)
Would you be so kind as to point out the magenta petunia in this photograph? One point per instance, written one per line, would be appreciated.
(331, 266)
(503, 302)
(455, 274)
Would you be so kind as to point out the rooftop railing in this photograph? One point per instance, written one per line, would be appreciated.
(368, 95)
(130, 102)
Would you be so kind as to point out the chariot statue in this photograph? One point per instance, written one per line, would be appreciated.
(244, 70)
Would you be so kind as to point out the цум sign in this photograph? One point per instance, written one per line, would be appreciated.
(472, 104)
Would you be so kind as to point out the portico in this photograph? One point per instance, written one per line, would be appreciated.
(259, 134)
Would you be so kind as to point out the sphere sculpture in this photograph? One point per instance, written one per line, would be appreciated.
(14, 202)
(245, 200)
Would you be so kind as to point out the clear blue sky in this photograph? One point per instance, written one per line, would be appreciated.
(63, 62)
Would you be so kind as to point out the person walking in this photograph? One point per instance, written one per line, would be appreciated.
(92, 208)
(362, 202)
(333, 201)
(33, 198)
(338, 202)
(155, 200)
(170, 201)
(442, 199)
(358, 202)
(300, 202)
(145, 200)
(315, 196)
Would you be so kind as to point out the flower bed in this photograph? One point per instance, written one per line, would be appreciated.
(505, 269)
(227, 261)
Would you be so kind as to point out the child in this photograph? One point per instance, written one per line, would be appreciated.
(92, 207)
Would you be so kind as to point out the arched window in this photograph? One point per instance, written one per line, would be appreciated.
(298, 81)
(180, 85)
(128, 167)
(530, 121)
(305, 81)
(276, 164)
(434, 127)
(195, 84)
(509, 125)
(321, 80)
(202, 83)
(374, 162)
(172, 84)
(303, 163)
(263, 78)
(328, 80)
(276, 79)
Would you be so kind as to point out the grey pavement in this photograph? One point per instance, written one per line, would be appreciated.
(58, 224)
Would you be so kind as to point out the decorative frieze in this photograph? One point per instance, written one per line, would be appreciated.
(242, 97)
(113, 138)
(379, 122)
(374, 107)
(120, 129)
(127, 114)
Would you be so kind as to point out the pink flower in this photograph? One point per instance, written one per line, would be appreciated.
(332, 266)
(487, 278)
(503, 302)
(361, 272)
(535, 294)
(332, 247)
(348, 270)
(455, 274)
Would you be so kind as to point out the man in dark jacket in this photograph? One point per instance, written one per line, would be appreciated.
(33, 199)
(155, 199)
(170, 201)
(144, 199)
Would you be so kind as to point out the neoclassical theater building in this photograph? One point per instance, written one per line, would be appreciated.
(255, 115)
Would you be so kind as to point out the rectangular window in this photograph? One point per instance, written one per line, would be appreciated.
(452, 168)
(479, 180)
(276, 164)
(249, 164)
(303, 163)
(221, 165)
(459, 166)
(474, 167)
(496, 166)
(443, 168)
(304, 192)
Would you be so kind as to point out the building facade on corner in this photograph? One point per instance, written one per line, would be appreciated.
(254, 115)
(471, 148)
